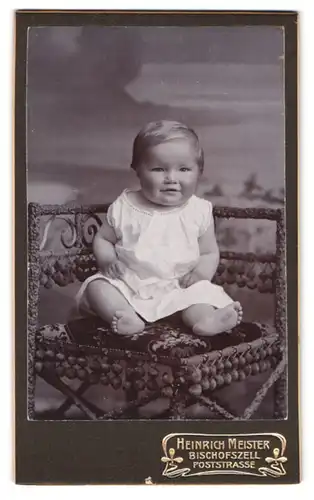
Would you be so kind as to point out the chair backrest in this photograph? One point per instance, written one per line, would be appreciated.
(60, 250)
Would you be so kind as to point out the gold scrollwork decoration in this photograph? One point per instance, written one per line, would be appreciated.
(276, 468)
(171, 467)
(175, 468)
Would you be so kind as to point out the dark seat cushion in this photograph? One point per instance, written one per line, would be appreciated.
(168, 337)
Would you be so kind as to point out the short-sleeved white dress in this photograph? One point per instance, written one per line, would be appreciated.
(158, 248)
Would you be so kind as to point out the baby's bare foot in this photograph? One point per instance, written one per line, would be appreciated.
(127, 323)
(220, 321)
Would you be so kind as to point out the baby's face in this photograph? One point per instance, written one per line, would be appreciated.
(170, 174)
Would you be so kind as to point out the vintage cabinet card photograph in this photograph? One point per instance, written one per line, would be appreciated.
(156, 247)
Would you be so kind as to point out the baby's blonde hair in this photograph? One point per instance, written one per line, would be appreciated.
(155, 133)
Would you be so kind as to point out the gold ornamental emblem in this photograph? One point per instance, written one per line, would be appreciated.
(188, 455)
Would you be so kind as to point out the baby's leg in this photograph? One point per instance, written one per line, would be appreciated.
(205, 320)
(110, 305)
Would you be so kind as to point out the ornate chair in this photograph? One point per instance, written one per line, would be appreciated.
(166, 360)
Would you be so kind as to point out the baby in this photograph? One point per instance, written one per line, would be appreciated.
(157, 251)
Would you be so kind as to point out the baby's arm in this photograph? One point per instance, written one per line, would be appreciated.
(208, 261)
(104, 251)
(209, 258)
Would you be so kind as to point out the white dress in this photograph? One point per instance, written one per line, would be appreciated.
(158, 248)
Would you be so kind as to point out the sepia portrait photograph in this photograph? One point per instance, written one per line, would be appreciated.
(156, 222)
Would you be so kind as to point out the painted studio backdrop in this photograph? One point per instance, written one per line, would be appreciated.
(90, 89)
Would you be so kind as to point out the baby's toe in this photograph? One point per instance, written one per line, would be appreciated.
(118, 315)
(114, 323)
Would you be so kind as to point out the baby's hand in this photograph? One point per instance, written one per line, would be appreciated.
(190, 278)
(115, 269)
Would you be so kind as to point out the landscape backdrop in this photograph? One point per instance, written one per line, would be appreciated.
(90, 89)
